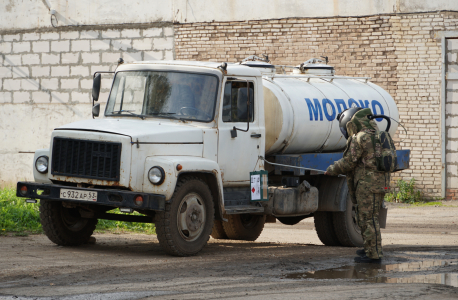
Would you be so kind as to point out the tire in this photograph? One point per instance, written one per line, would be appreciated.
(184, 227)
(346, 227)
(218, 230)
(245, 227)
(324, 227)
(64, 226)
(291, 220)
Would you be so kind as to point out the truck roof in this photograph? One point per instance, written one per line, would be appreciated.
(233, 69)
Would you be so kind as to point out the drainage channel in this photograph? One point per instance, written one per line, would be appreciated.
(374, 273)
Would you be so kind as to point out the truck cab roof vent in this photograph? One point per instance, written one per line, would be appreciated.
(314, 66)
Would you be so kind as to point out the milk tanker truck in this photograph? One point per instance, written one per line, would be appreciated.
(205, 148)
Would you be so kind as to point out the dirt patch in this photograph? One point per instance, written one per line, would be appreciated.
(133, 266)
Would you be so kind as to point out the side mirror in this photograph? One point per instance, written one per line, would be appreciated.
(96, 110)
(96, 87)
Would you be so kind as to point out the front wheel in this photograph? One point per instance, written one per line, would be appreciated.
(184, 227)
(65, 226)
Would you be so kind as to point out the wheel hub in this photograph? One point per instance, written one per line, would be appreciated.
(194, 217)
(249, 221)
(191, 217)
(72, 219)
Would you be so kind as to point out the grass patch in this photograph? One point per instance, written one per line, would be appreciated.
(20, 218)
(121, 227)
(427, 204)
(16, 215)
(406, 194)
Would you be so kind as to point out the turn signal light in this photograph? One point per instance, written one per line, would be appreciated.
(179, 167)
(139, 200)
(23, 190)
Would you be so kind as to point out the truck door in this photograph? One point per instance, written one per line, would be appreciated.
(238, 156)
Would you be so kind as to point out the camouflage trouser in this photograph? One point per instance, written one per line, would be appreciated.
(367, 213)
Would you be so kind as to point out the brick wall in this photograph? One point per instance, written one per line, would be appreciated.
(46, 81)
(399, 52)
(451, 124)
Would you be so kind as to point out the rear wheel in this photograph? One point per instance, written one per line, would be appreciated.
(65, 226)
(346, 227)
(184, 227)
(324, 227)
(218, 230)
(246, 227)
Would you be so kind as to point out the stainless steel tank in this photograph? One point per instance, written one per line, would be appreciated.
(301, 110)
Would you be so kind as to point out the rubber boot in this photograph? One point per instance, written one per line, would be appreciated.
(367, 260)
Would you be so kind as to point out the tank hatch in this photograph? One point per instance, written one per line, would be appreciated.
(262, 64)
(314, 66)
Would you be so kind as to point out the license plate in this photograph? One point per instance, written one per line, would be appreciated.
(78, 195)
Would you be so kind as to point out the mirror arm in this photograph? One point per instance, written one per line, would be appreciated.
(96, 110)
(102, 72)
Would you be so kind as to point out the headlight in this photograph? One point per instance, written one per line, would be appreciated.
(42, 164)
(156, 175)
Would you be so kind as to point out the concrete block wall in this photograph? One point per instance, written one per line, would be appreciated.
(399, 52)
(46, 81)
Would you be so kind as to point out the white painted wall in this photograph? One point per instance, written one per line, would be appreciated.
(46, 82)
(28, 14)
(27, 127)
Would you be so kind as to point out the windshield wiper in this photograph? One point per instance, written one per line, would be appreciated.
(164, 114)
(129, 112)
(161, 113)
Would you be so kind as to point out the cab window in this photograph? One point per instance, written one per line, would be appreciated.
(235, 101)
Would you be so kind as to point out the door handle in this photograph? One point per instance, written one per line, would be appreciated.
(255, 135)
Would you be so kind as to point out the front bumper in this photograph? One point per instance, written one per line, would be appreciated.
(108, 197)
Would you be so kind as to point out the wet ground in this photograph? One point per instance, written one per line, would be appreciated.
(286, 262)
(409, 272)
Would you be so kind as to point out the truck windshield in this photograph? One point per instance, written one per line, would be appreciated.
(174, 95)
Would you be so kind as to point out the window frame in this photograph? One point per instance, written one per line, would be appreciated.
(165, 117)
(252, 108)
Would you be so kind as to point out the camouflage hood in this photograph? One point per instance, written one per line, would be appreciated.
(360, 122)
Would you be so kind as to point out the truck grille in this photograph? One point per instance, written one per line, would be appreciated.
(86, 159)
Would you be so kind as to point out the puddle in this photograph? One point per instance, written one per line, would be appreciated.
(373, 273)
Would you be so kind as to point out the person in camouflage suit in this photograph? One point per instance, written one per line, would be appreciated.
(366, 185)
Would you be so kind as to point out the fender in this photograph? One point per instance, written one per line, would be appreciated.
(37, 176)
(190, 164)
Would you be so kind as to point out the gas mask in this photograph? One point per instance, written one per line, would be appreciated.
(345, 117)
